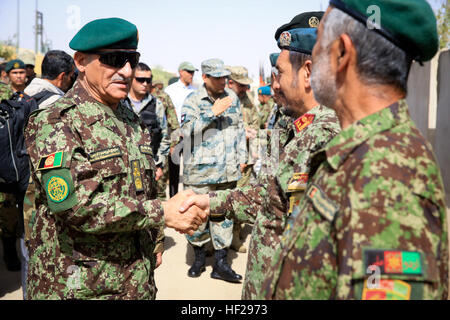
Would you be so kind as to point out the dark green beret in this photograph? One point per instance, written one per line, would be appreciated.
(14, 64)
(302, 20)
(111, 33)
(409, 24)
(299, 40)
(273, 59)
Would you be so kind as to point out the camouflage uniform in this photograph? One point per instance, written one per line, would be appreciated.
(264, 112)
(213, 149)
(266, 203)
(174, 134)
(375, 204)
(97, 218)
(251, 120)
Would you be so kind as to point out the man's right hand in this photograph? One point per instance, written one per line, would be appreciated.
(221, 105)
(197, 200)
(188, 221)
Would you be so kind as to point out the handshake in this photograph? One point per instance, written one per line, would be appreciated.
(186, 211)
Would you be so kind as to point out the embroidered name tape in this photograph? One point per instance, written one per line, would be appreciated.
(394, 262)
(387, 289)
(304, 121)
(137, 178)
(51, 161)
(145, 149)
(321, 202)
(105, 154)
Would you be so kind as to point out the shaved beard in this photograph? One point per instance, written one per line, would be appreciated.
(323, 82)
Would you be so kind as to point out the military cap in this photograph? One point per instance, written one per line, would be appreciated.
(264, 91)
(302, 20)
(273, 59)
(187, 66)
(214, 68)
(240, 75)
(409, 24)
(300, 40)
(110, 33)
(172, 80)
(14, 64)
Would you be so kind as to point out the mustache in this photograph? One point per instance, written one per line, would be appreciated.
(118, 77)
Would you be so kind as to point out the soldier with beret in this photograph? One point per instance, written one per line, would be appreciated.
(214, 153)
(372, 223)
(97, 216)
(268, 203)
(266, 104)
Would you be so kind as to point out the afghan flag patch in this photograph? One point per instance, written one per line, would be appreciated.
(387, 289)
(304, 121)
(394, 262)
(51, 161)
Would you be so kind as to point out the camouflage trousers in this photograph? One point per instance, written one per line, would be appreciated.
(162, 183)
(220, 232)
(9, 215)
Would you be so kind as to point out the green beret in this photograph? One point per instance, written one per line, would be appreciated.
(273, 59)
(111, 33)
(299, 39)
(14, 64)
(302, 20)
(409, 24)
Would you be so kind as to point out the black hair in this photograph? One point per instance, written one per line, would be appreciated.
(55, 62)
(143, 67)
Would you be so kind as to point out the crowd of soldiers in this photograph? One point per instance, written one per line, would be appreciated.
(343, 193)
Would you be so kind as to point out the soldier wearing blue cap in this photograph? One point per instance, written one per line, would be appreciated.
(214, 155)
(265, 106)
(97, 217)
(372, 224)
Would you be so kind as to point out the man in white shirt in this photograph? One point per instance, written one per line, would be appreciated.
(179, 90)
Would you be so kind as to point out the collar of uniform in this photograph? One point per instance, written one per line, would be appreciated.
(316, 111)
(342, 145)
(205, 96)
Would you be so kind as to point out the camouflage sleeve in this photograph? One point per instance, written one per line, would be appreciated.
(171, 114)
(242, 140)
(164, 147)
(159, 247)
(90, 200)
(192, 122)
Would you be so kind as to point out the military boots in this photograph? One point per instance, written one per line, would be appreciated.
(10, 254)
(199, 264)
(222, 269)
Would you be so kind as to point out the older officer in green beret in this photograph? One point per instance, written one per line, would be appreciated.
(97, 218)
(372, 223)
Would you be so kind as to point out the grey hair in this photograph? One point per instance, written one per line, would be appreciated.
(379, 61)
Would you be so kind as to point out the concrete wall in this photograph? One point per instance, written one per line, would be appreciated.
(442, 134)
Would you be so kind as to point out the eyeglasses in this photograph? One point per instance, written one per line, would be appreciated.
(117, 59)
(142, 80)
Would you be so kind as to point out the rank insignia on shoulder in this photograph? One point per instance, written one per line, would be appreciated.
(137, 178)
(394, 262)
(386, 289)
(304, 121)
(298, 181)
(57, 189)
(51, 161)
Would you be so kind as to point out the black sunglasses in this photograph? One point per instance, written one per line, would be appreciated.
(142, 80)
(117, 59)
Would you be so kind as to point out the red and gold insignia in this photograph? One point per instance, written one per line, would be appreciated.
(387, 289)
(285, 39)
(393, 262)
(298, 181)
(304, 121)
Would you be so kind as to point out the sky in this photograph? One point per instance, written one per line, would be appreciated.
(240, 32)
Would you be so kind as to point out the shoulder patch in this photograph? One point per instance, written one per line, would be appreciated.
(105, 154)
(298, 181)
(326, 207)
(51, 161)
(394, 261)
(387, 289)
(57, 189)
(304, 121)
